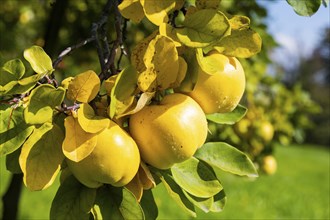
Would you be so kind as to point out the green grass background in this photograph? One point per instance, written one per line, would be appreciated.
(299, 190)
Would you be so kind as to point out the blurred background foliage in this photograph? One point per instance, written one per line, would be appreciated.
(292, 100)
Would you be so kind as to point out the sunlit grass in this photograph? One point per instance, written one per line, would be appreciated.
(299, 190)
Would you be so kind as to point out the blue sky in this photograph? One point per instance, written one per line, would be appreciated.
(296, 34)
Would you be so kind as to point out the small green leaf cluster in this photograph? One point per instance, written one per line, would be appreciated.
(46, 123)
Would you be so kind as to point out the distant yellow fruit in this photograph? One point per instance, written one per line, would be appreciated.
(266, 131)
(269, 165)
(170, 132)
(242, 127)
(222, 91)
(115, 160)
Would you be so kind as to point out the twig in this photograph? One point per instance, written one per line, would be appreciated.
(99, 25)
(68, 50)
(116, 44)
(99, 32)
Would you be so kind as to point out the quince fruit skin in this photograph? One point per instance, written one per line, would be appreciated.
(222, 91)
(115, 160)
(170, 132)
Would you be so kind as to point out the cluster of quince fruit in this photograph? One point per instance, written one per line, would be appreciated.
(162, 133)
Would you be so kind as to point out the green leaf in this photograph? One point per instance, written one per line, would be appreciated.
(196, 178)
(175, 191)
(39, 60)
(29, 80)
(23, 85)
(8, 87)
(203, 28)
(117, 203)
(122, 94)
(41, 157)
(219, 201)
(13, 129)
(149, 205)
(305, 7)
(204, 204)
(15, 67)
(72, 201)
(6, 78)
(229, 118)
(228, 158)
(43, 100)
(241, 43)
(11, 71)
(12, 161)
(84, 87)
(190, 79)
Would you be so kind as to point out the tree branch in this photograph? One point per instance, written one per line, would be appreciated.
(110, 64)
(98, 34)
(11, 198)
(68, 50)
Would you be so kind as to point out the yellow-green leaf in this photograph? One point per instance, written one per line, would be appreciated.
(39, 60)
(241, 43)
(131, 9)
(110, 83)
(238, 22)
(226, 157)
(203, 28)
(122, 94)
(42, 101)
(157, 11)
(13, 129)
(196, 178)
(7, 87)
(30, 79)
(162, 62)
(17, 88)
(143, 101)
(66, 82)
(190, 79)
(212, 63)
(176, 193)
(15, 68)
(147, 80)
(41, 157)
(90, 122)
(77, 144)
(169, 31)
(181, 74)
(84, 87)
(139, 51)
